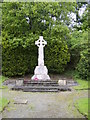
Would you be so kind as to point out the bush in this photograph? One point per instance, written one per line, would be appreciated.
(56, 52)
(19, 53)
(14, 61)
(18, 56)
(57, 56)
(77, 43)
(83, 65)
(78, 47)
(19, 60)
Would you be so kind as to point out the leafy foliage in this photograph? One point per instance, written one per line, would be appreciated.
(22, 25)
(17, 59)
(82, 21)
(83, 65)
(56, 52)
(78, 46)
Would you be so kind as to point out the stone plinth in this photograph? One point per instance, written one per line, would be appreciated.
(41, 73)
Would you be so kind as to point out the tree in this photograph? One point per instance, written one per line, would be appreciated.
(22, 25)
(79, 51)
(81, 19)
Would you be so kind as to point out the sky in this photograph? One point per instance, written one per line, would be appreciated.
(73, 15)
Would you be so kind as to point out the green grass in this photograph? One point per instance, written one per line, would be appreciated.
(82, 84)
(3, 103)
(2, 79)
(82, 106)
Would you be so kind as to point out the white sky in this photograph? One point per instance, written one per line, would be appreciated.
(82, 10)
(72, 16)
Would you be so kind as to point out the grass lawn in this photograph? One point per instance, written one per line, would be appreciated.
(3, 103)
(83, 85)
(82, 106)
(2, 79)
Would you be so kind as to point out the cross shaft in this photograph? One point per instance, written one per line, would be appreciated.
(40, 43)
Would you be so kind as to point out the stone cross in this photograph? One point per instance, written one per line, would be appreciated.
(41, 71)
(41, 44)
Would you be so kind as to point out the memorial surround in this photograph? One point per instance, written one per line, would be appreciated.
(40, 81)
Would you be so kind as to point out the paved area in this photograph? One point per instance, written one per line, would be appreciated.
(42, 105)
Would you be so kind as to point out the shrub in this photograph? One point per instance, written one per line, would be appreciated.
(20, 56)
(77, 43)
(19, 53)
(78, 47)
(19, 60)
(56, 55)
(83, 65)
(56, 52)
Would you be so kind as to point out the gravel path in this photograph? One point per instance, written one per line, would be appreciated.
(42, 105)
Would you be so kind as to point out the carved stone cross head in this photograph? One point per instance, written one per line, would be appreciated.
(40, 42)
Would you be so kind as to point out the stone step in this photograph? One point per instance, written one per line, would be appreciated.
(49, 82)
(17, 88)
(40, 85)
(41, 88)
(47, 88)
(36, 90)
(40, 82)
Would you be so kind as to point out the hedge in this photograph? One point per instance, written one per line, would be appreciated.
(19, 60)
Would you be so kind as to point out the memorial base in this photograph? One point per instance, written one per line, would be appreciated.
(41, 73)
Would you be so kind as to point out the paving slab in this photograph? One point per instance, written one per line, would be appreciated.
(43, 105)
